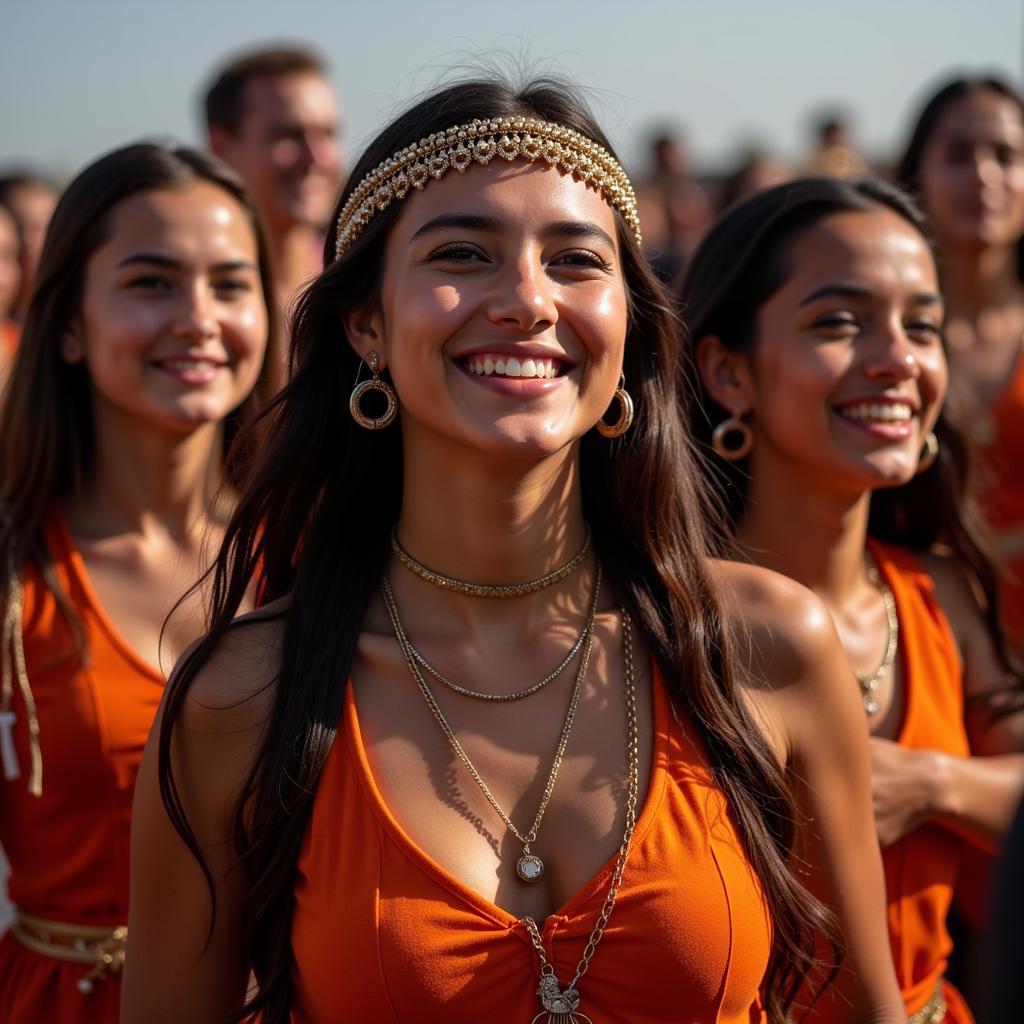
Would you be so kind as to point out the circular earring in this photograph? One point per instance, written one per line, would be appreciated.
(929, 453)
(721, 434)
(375, 384)
(625, 420)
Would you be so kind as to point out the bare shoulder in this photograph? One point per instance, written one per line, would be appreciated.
(242, 668)
(790, 665)
(783, 627)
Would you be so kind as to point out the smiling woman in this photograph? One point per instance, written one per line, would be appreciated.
(817, 336)
(497, 744)
(142, 355)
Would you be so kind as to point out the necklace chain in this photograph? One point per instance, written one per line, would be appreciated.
(869, 680)
(570, 995)
(489, 589)
(503, 697)
(570, 715)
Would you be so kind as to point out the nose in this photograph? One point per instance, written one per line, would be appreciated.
(893, 356)
(524, 296)
(196, 319)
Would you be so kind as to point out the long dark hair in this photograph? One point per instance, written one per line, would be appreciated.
(46, 421)
(908, 170)
(739, 265)
(315, 522)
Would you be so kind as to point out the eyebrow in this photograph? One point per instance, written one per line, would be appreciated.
(854, 291)
(172, 264)
(477, 222)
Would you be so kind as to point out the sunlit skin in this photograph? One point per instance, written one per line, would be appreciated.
(172, 331)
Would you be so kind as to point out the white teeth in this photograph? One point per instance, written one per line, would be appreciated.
(888, 412)
(487, 366)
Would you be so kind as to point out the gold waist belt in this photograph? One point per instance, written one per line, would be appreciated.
(102, 948)
(933, 1012)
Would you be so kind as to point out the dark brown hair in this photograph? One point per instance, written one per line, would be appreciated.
(315, 523)
(225, 99)
(46, 422)
(740, 264)
(908, 170)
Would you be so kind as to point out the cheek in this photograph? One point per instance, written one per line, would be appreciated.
(246, 330)
(600, 321)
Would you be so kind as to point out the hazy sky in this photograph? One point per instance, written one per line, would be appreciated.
(81, 76)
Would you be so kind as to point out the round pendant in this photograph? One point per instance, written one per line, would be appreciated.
(871, 705)
(529, 867)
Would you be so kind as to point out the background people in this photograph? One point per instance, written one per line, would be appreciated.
(30, 199)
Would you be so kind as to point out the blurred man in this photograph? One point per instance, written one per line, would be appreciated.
(273, 117)
(834, 154)
(30, 200)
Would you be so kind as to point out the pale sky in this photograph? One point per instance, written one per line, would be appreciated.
(79, 77)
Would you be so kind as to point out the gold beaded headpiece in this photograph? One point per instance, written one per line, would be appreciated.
(511, 138)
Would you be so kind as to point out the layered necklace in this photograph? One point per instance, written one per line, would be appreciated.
(869, 681)
(559, 1005)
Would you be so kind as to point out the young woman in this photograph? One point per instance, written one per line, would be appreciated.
(816, 322)
(502, 742)
(142, 355)
(965, 162)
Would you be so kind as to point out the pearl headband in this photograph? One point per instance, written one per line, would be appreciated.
(511, 138)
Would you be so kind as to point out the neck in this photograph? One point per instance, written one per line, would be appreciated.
(296, 254)
(818, 540)
(145, 480)
(979, 279)
(485, 522)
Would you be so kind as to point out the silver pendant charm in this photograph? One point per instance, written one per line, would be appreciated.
(559, 1007)
(529, 867)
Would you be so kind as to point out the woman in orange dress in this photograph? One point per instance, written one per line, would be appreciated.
(497, 745)
(965, 164)
(816, 322)
(144, 352)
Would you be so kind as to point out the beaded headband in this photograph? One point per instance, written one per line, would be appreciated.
(511, 138)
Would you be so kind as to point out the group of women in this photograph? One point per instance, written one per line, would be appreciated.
(539, 659)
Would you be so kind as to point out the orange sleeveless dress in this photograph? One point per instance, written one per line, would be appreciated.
(383, 933)
(920, 869)
(68, 849)
(1000, 437)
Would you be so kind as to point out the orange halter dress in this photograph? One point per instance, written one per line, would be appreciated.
(920, 869)
(68, 847)
(1000, 438)
(383, 933)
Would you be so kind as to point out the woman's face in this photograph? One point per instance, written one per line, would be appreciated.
(848, 373)
(173, 323)
(972, 172)
(503, 311)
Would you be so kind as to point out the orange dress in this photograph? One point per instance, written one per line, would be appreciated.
(920, 869)
(383, 933)
(68, 848)
(1000, 438)
(9, 338)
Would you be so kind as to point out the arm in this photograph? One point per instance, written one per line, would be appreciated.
(178, 967)
(809, 705)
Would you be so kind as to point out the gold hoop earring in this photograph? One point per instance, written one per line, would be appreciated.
(625, 420)
(375, 384)
(929, 453)
(720, 438)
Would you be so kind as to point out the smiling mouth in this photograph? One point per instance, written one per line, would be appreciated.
(877, 412)
(510, 367)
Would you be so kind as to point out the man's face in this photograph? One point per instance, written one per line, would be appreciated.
(286, 148)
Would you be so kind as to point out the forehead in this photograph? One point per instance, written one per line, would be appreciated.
(522, 196)
(302, 96)
(876, 248)
(199, 216)
(981, 115)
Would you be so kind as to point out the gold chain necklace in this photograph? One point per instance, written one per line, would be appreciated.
(869, 680)
(561, 1005)
(517, 694)
(489, 589)
(529, 867)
